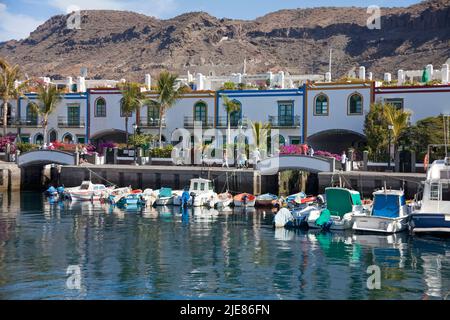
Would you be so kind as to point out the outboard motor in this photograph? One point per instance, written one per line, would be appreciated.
(185, 198)
(51, 191)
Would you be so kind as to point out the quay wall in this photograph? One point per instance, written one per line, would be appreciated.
(366, 182)
(176, 177)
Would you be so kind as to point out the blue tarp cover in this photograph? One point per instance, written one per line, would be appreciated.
(386, 206)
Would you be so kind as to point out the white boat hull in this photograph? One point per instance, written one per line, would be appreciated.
(164, 201)
(238, 203)
(380, 224)
(338, 223)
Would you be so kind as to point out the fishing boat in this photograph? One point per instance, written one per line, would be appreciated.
(114, 195)
(244, 200)
(389, 213)
(433, 212)
(266, 200)
(342, 205)
(201, 191)
(150, 197)
(87, 191)
(224, 200)
(177, 197)
(165, 197)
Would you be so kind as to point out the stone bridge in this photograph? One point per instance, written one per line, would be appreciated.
(271, 166)
(43, 157)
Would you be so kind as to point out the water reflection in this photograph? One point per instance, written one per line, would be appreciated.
(175, 253)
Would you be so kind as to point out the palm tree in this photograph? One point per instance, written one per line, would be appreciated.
(8, 88)
(398, 119)
(48, 97)
(168, 94)
(132, 99)
(230, 107)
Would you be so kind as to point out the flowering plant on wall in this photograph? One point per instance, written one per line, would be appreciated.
(106, 145)
(8, 139)
(303, 149)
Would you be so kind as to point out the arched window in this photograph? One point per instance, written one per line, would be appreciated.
(67, 138)
(355, 104)
(32, 116)
(152, 115)
(201, 112)
(53, 136)
(236, 116)
(9, 106)
(321, 105)
(39, 138)
(100, 108)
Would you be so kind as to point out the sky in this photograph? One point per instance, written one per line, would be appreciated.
(19, 17)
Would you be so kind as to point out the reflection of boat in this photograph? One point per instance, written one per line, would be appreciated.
(433, 216)
(201, 191)
(131, 200)
(389, 213)
(87, 191)
(165, 197)
(266, 200)
(341, 206)
(244, 200)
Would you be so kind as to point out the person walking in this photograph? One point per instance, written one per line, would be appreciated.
(310, 151)
(344, 161)
(225, 158)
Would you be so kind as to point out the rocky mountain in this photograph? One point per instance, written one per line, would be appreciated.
(118, 44)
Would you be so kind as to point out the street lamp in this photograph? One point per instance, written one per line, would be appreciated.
(135, 126)
(390, 128)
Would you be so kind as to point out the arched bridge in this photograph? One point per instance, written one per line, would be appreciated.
(45, 157)
(273, 165)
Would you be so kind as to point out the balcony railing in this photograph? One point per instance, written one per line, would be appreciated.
(283, 122)
(190, 122)
(27, 122)
(222, 122)
(152, 123)
(64, 122)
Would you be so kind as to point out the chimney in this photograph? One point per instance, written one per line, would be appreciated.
(445, 74)
(362, 73)
(430, 70)
(387, 77)
(81, 84)
(69, 83)
(328, 77)
(370, 76)
(148, 81)
(401, 77)
(199, 82)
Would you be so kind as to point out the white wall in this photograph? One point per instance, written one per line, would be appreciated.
(423, 102)
(338, 117)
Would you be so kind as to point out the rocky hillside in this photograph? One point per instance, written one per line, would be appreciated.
(117, 44)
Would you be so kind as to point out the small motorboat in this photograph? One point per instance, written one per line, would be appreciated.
(389, 213)
(131, 200)
(150, 197)
(114, 195)
(342, 205)
(87, 191)
(266, 200)
(182, 198)
(244, 200)
(165, 197)
(283, 218)
(224, 200)
(201, 191)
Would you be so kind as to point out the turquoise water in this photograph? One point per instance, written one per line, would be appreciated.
(204, 254)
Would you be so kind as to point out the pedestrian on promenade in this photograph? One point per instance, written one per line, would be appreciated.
(344, 161)
(310, 151)
(225, 158)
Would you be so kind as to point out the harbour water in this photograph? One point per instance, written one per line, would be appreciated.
(201, 254)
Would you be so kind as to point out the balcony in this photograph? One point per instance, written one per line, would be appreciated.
(27, 123)
(190, 122)
(222, 122)
(284, 122)
(151, 123)
(64, 122)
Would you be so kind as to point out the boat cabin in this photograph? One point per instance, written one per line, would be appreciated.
(201, 185)
(341, 201)
(388, 203)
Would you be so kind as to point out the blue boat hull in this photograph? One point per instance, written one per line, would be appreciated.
(430, 223)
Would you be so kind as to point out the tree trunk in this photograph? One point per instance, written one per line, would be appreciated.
(5, 117)
(229, 129)
(126, 130)
(160, 126)
(45, 132)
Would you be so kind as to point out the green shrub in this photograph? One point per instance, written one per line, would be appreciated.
(25, 147)
(165, 152)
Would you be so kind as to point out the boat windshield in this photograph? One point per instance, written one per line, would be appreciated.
(202, 187)
(195, 186)
(84, 186)
(386, 205)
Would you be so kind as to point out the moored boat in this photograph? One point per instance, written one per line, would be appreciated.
(87, 191)
(389, 213)
(341, 206)
(201, 191)
(244, 200)
(266, 200)
(165, 197)
(433, 212)
(224, 200)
